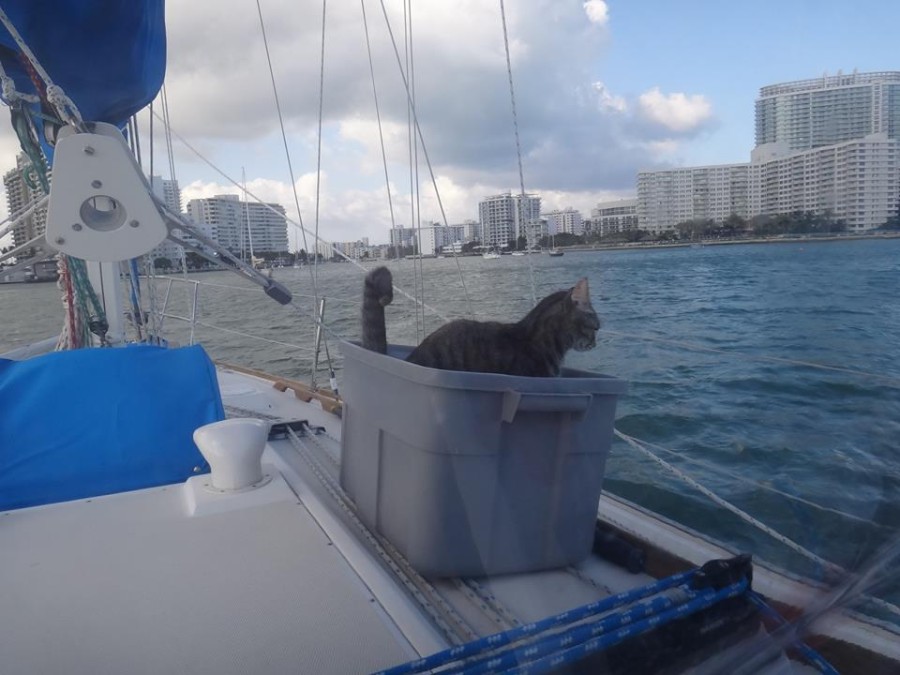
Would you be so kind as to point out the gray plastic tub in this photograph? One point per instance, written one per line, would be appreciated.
(470, 474)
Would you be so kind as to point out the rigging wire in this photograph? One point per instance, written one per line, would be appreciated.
(171, 155)
(830, 568)
(521, 209)
(287, 152)
(314, 268)
(387, 182)
(709, 466)
(15, 219)
(743, 515)
(64, 106)
(415, 206)
(319, 134)
(291, 221)
(151, 141)
(424, 149)
(332, 378)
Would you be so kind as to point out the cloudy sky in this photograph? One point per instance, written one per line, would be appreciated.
(603, 89)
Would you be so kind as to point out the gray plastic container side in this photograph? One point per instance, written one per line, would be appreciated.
(469, 474)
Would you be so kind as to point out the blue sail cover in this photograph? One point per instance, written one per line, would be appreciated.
(109, 56)
(92, 422)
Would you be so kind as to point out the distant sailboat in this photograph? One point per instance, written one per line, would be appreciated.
(554, 252)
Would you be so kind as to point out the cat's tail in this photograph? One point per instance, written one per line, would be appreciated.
(378, 292)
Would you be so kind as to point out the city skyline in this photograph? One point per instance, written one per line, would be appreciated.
(604, 90)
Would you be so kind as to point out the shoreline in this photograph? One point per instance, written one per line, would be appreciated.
(793, 239)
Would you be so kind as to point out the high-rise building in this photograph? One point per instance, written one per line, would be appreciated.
(266, 224)
(826, 145)
(168, 191)
(565, 220)
(352, 249)
(403, 236)
(506, 217)
(666, 198)
(856, 181)
(436, 236)
(241, 227)
(827, 110)
(20, 195)
(614, 216)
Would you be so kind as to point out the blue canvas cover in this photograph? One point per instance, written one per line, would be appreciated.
(92, 422)
(109, 56)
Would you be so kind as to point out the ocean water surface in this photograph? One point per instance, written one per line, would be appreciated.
(720, 345)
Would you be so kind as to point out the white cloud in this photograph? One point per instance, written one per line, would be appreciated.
(597, 12)
(609, 101)
(579, 140)
(664, 150)
(676, 112)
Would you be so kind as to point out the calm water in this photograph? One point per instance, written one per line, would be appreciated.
(829, 437)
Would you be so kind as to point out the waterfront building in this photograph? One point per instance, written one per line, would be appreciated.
(241, 226)
(434, 237)
(666, 198)
(506, 217)
(20, 195)
(403, 237)
(827, 145)
(565, 220)
(855, 181)
(472, 230)
(614, 216)
(827, 110)
(352, 249)
(170, 193)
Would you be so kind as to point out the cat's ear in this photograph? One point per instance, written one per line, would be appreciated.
(580, 293)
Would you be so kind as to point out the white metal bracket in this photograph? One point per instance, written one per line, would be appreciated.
(100, 204)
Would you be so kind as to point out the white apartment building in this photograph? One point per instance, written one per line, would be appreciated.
(266, 224)
(506, 217)
(241, 226)
(170, 193)
(472, 231)
(614, 216)
(403, 236)
(857, 181)
(19, 196)
(565, 220)
(827, 110)
(825, 144)
(436, 236)
(666, 198)
(352, 249)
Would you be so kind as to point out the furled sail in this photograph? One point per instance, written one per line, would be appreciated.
(108, 56)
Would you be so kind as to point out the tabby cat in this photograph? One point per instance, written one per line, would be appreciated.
(534, 346)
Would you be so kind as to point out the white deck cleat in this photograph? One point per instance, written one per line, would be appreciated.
(234, 450)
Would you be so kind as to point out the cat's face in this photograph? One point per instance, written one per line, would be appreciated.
(585, 322)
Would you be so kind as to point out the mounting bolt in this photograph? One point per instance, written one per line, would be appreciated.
(76, 227)
(88, 150)
(134, 223)
(60, 241)
(96, 184)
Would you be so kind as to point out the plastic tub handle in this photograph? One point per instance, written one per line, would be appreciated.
(514, 401)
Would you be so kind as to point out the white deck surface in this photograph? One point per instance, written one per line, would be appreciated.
(132, 584)
(274, 580)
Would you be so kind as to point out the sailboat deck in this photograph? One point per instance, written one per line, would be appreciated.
(136, 583)
(280, 579)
